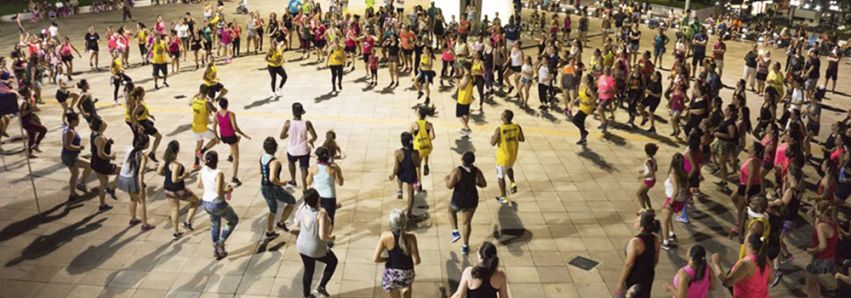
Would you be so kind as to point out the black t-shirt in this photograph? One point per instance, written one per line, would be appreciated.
(814, 63)
(655, 87)
(512, 32)
(701, 48)
(92, 40)
(619, 17)
(750, 59)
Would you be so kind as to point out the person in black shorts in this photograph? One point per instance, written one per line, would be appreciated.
(406, 161)
(463, 181)
(101, 162)
(652, 98)
(92, 39)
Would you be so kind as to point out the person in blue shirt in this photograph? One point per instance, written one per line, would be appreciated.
(294, 6)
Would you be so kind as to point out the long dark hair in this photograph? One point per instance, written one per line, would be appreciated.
(171, 151)
(407, 140)
(698, 255)
(648, 223)
(755, 241)
(489, 264)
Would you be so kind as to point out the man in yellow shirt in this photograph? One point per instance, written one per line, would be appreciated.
(159, 60)
(506, 138)
(215, 89)
(465, 98)
(202, 109)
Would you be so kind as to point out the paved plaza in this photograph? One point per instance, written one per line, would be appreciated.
(572, 200)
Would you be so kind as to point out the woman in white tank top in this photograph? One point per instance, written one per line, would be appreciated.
(301, 137)
(214, 201)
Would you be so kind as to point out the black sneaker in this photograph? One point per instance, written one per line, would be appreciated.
(104, 208)
(425, 170)
(153, 157)
(235, 181)
(188, 226)
(652, 130)
(419, 95)
(230, 158)
(582, 141)
(283, 226)
(271, 235)
(321, 290)
(176, 236)
(111, 192)
(668, 246)
(428, 100)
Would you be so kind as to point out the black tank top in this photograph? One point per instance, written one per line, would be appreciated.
(397, 259)
(485, 290)
(265, 175)
(644, 269)
(407, 171)
(107, 149)
(465, 194)
(170, 185)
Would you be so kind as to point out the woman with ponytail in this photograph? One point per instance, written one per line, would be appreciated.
(402, 254)
(695, 279)
(825, 237)
(750, 276)
(484, 280)
(642, 255)
(677, 193)
(131, 179)
(175, 189)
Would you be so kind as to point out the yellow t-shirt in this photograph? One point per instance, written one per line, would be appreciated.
(275, 59)
(465, 94)
(425, 62)
(478, 68)
(211, 76)
(422, 141)
(509, 141)
(338, 57)
(141, 37)
(200, 115)
(586, 103)
(158, 50)
(117, 66)
(775, 80)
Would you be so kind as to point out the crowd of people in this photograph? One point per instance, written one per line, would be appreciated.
(480, 59)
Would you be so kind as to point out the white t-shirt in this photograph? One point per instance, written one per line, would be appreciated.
(182, 30)
(543, 74)
(208, 179)
(53, 30)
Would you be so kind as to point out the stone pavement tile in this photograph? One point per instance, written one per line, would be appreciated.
(560, 290)
(554, 274)
(12, 288)
(85, 291)
(159, 280)
(580, 276)
(590, 230)
(526, 289)
(287, 287)
(144, 293)
(127, 279)
(97, 277)
(356, 272)
(522, 274)
(181, 294)
(255, 286)
(223, 284)
(597, 243)
(54, 290)
(118, 292)
(592, 289)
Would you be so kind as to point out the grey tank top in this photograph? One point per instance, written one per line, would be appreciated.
(308, 242)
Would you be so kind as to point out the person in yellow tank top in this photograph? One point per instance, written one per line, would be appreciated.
(118, 77)
(478, 71)
(159, 60)
(336, 62)
(507, 138)
(202, 109)
(142, 41)
(586, 99)
(423, 132)
(215, 89)
(275, 65)
(465, 98)
(141, 120)
(426, 75)
(757, 222)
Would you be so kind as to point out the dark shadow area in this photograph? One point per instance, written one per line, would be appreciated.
(598, 160)
(549, 116)
(659, 138)
(45, 244)
(144, 263)
(453, 273)
(386, 90)
(463, 145)
(479, 118)
(261, 102)
(179, 130)
(40, 172)
(95, 255)
(325, 97)
(509, 229)
(614, 139)
(31, 223)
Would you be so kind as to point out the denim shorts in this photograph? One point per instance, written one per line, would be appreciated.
(275, 194)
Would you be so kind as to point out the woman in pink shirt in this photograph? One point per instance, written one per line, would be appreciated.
(605, 91)
(749, 277)
(228, 131)
(695, 279)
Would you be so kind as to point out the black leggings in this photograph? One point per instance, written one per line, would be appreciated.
(236, 47)
(337, 75)
(579, 121)
(480, 86)
(35, 132)
(446, 69)
(274, 72)
(500, 73)
(119, 80)
(330, 261)
(543, 93)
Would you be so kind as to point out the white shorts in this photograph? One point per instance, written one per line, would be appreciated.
(501, 170)
(719, 64)
(200, 136)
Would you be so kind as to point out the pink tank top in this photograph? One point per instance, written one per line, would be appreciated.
(697, 288)
(298, 138)
(225, 126)
(744, 174)
(755, 286)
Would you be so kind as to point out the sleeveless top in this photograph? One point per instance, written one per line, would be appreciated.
(107, 149)
(396, 258)
(324, 182)
(465, 194)
(766, 230)
(308, 242)
(75, 141)
(830, 249)
(130, 167)
(208, 178)
(169, 184)
(509, 141)
(298, 138)
(696, 288)
(422, 140)
(647, 169)
(643, 270)
(756, 285)
(225, 126)
(744, 174)
(265, 170)
(407, 172)
(485, 290)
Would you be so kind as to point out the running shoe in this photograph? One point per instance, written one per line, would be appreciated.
(153, 157)
(465, 249)
(176, 236)
(104, 208)
(188, 226)
(322, 291)
(271, 235)
(235, 181)
(501, 200)
(147, 227)
(111, 192)
(82, 187)
(682, 219)
(426, 170)
(513, 187)
(283, 226)
(455, 236)
(135, 221)
(777, 276)
(399, 195)
(652, 130)
(668, 246)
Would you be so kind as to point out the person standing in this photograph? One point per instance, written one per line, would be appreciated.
(202, 110)
(275, 65)
(312, 242)
(272, 189)
(336, 61)
(695, 279)
(126, 13)
(823, 249)
(159, 60)
(175, 189)
(301, 137)
(751, 57)
(406, 162)
(832, 71)
(71, 147)
(465, 99)
(585, 99)
(507, 138)
(324, 178)
(92, 39)
(642, 255)
(718, 51)
(751, 274)
(131, 179)
(216, 194)
(102, 157)
(402, 253)
(463, 181)
(228, 131)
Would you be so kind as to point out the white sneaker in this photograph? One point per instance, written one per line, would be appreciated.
(274, 94)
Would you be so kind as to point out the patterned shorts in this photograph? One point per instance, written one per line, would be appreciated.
(821, 266)
(394, 279)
